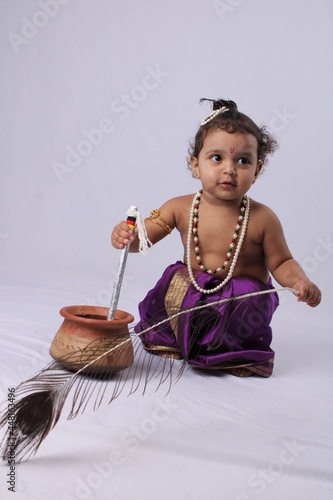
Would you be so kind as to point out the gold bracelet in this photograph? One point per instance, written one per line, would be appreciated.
(155, 216)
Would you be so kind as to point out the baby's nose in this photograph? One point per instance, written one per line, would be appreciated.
(229, 167)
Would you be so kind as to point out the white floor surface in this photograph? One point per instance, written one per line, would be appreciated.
(214, 436)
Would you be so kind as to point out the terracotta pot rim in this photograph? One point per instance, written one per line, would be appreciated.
(73, 313)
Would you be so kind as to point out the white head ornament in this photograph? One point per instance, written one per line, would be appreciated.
(213, 114)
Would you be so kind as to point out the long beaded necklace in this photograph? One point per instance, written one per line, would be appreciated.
(193, 228)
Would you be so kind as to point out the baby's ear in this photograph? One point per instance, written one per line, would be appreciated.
(195, 167)
(260, 164)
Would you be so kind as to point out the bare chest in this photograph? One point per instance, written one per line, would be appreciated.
(220, 238)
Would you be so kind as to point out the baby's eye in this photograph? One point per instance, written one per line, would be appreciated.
(243, 161)
(216, 157)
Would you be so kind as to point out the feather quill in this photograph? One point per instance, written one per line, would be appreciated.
(41, 399)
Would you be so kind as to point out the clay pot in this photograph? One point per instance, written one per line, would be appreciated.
(86, 333)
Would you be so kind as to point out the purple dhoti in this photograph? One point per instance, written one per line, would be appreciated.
(224, 336)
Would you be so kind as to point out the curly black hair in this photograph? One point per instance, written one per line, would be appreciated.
(232, 121)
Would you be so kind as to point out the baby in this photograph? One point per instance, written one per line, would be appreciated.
(232, 244)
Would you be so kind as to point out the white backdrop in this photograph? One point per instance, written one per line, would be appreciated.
(99, 100)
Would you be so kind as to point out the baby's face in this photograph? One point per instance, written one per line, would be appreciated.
(227, 164)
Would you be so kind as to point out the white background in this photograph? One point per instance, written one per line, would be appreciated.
(66, 69)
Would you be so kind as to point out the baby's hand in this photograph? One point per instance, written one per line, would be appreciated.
(308, 292)
(122, 235)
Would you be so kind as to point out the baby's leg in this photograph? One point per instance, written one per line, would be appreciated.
(239, 372)
(165, 352)
(174, 355)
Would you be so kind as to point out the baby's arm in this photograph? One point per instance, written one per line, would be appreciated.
(122, 234)
(281, 264)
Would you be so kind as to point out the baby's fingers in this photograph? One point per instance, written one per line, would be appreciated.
(314, 297)
(121, 235)
(309, 293)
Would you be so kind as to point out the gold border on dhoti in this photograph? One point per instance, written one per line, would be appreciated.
(175, 295)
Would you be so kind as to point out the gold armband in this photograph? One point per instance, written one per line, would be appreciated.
(155, 216)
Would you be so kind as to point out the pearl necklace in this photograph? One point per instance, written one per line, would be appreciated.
(192, 228)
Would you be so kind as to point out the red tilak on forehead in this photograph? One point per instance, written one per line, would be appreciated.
(232, 150)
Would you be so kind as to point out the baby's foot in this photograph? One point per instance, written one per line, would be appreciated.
(240, 372)
(170, 354)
